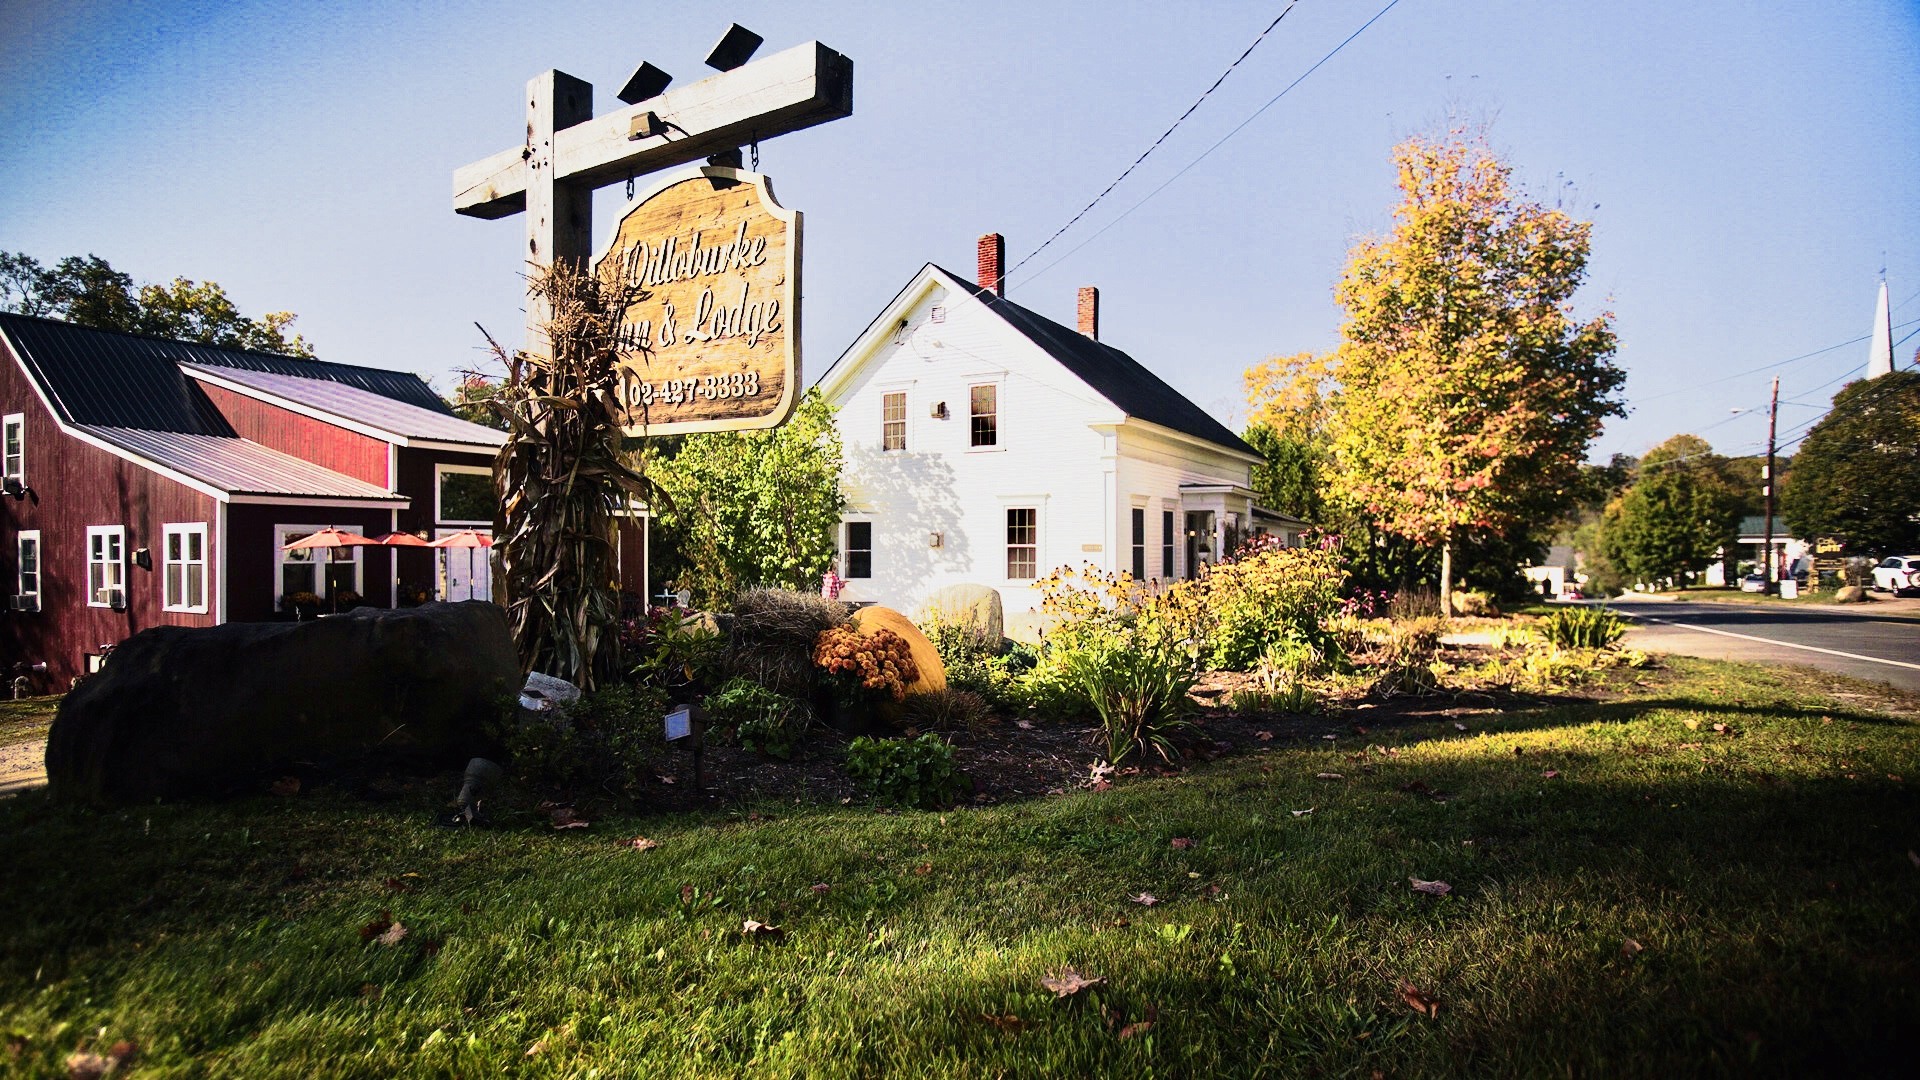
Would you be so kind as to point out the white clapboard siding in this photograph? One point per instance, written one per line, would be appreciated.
(1064, 450)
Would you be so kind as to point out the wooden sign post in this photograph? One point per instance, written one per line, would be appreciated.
(569, 153)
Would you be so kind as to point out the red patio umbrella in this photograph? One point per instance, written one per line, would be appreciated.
(330, 537)
(469, 539)
(399, 539)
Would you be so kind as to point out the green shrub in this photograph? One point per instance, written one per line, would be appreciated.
(906, 772)
(606, 741)
(1405, 662)
(1583, 628)
(1295, 697)
(771, 723)
(943, 710)
(1140, 695)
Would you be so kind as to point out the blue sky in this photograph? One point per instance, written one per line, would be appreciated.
(1749, 167)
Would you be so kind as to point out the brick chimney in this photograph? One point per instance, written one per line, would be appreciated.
(1090, 311)
(993, 261)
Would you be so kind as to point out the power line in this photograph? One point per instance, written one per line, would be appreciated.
(1209, 150)
(1156, 143)
(1769, 366)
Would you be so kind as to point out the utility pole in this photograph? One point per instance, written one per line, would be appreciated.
(1766, 488)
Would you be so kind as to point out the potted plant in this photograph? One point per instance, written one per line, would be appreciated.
(858, 670)
(303, 604)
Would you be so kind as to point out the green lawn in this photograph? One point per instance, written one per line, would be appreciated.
(1765, 872)
(26, 720)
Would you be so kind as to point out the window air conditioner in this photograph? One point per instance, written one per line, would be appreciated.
(113, 598)
(26, 603)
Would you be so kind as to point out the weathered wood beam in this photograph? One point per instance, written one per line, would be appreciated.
(806, 85)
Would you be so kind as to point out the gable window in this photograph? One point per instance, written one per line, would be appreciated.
(13, 451)
(1139, 543)
(27, 585)
(893, 421)
(463, 495)
(184, 567)
(858, 550)
(1166, 544)
(1023, 543)
(107, 566)
(986, 414)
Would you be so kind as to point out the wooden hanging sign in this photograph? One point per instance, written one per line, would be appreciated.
(714, 343)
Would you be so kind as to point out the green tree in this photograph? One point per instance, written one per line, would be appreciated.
(1290, 480)
(754, 508)
(1468, 393)
(471, 401)
(1681, 512)
(90, 292)
(1857, 477)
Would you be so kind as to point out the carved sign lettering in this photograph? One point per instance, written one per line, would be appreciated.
(714, 345)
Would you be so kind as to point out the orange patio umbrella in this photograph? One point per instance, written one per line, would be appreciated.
(469, 539)
(330, 537)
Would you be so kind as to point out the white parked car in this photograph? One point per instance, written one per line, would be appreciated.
(1897, 574)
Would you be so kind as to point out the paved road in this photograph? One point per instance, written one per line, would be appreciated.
(1877, 647)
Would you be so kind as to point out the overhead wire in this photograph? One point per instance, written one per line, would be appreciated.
(1209, 150)
(1148, 152)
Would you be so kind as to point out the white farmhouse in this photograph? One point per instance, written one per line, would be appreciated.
(986, 444)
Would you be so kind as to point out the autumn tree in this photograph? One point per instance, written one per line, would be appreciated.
(1468, 391)
(90, 292)
(1856, 478)
(753, 508)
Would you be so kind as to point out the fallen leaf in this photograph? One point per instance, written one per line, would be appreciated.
(85, 1066)
(1263, 736)
(1457, 726)
(286, 786)
(1631, 948)
(1329, 737)
(1431, 888)
(1303, 813)
(377, 927)
(1068, 982)
(1182, 843)
(641, 843)
(123, 1053)
(1131, 770)
(1692, 725)
(1416, 787)
(820, 887)
(1142, 1026)
(1023, 725)
(667, 779)
(1328, 776)
(392, 935)
(1145, 899)
(563, 817)
(923, 869)
(539, 1045)
(1551, 774)
(16, 1045)
(1008, 1022)
(754, 930)
(1419, 1002)
(1721, 729)
(394, 884)
(370, 990)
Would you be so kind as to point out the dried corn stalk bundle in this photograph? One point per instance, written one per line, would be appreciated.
(562, 478)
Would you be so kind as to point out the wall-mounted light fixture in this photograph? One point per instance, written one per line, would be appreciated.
(934, 539)
(939, 410)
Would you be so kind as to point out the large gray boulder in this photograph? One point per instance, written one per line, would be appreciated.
(180, 712)
(977, 606)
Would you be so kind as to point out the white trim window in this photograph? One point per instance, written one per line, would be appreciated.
(26, 585)
(107, 566)
(464, 495)
(893, 420)
(320, 571)
(183, 567)
(983, 416)
(856, 548)
(13, 451)
(1023, 543)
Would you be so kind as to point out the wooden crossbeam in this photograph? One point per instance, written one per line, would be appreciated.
(806, 85)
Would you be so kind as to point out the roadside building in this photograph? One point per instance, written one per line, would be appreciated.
(988, 444)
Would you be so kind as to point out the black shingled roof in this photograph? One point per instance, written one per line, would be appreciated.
(111, 379)
(1116, 376)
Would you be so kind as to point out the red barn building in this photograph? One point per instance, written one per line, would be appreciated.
(150, 482)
